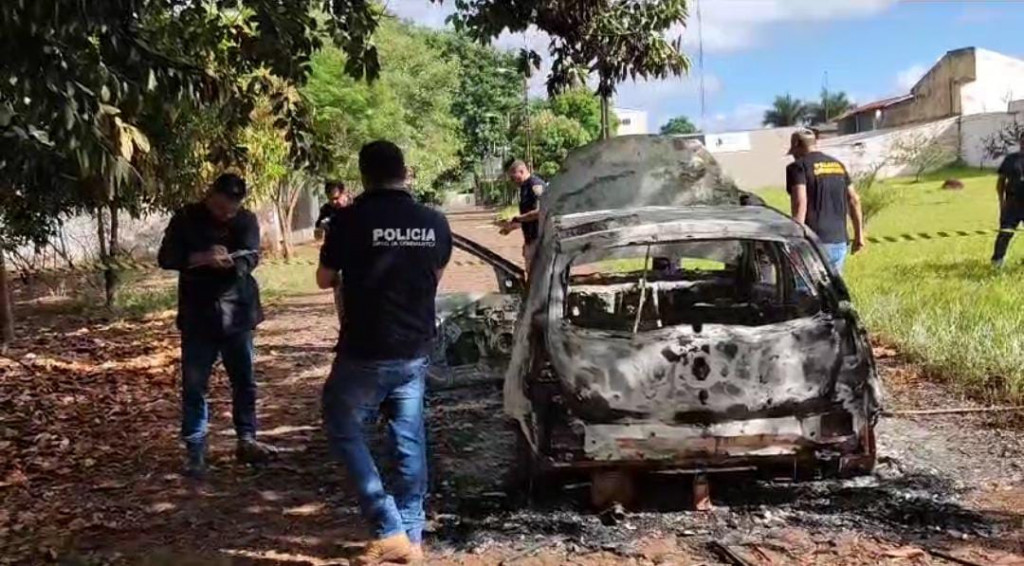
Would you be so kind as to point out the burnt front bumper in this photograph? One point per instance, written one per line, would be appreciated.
(827, 441)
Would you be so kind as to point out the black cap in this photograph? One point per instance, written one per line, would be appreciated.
(231, 186)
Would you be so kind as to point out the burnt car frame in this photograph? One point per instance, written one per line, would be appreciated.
(674, 322)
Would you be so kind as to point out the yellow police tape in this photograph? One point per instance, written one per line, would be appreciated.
(925, 236)
(129, 264)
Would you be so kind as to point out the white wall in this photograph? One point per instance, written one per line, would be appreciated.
(859, 152)
(964, 135)
(631, 122)
(1000, 79)
(973, 131)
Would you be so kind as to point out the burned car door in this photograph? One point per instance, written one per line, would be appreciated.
(474, 330)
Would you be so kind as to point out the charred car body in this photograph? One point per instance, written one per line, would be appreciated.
(673, 321)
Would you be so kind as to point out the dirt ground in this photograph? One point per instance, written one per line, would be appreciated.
(89, 462)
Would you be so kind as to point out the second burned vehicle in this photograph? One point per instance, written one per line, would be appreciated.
(674, 322)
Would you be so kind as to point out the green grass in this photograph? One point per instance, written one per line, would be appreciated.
(278, 279)
(939, 301)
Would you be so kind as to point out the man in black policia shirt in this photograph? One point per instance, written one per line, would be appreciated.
(391, 252)
(214, 245)
(531, 188)
(1010, 188)
(821, 196)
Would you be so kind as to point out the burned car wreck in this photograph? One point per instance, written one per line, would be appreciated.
(674, 322)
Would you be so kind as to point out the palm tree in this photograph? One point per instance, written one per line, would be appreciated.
(832, 105)
(786, 111)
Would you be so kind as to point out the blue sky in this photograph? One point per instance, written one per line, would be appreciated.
(755, 49)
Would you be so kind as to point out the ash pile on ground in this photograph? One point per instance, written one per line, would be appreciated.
(928, 472)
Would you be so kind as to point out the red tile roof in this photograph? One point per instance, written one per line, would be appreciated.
(876, 105)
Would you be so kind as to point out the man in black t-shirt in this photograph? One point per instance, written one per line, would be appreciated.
(822, 196)
(337, 198)
(391, 252)
(1010, 188)
(531, 188)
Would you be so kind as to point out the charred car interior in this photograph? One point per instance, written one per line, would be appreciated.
(674, 322)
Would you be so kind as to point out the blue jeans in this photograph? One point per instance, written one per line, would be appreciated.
(1011, 217)
(198, 354)
(836, 255)
(352, 397)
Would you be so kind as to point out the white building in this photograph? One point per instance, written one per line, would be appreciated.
(964, 82)
(631, 122)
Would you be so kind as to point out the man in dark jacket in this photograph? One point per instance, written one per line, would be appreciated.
(214, 245)
(1010, 188)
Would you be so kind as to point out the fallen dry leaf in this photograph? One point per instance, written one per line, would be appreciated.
(905, 552)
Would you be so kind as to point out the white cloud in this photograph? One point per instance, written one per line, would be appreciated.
(746, 116)
(661, 98)
(728, 25)
(907, 78)
(422, 12)
(732, 25)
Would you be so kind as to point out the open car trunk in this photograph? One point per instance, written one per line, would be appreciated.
(703, 351)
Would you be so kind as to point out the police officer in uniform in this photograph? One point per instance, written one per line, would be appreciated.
(391, 252)
(531, 188)
(1010, 188)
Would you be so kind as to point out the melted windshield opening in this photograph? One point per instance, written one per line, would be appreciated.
(645, 287)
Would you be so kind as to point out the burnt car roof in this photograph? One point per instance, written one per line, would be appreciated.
(665, 223)
(639, 171)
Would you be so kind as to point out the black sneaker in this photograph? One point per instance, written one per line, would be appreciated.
(250, 451)
(195, 461)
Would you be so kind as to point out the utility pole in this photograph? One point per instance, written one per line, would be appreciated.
(526, 119)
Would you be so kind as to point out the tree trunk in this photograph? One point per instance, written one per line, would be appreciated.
(269, 238)
(6, 313)
(606, 130)
(110, 274)
(101, 233)
(286, 234)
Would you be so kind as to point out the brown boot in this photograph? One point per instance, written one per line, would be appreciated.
(395, 549)
(249, 451)
(418, 554)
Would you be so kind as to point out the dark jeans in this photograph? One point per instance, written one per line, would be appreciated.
(1011, 217)
(198, 354)
(352, 398)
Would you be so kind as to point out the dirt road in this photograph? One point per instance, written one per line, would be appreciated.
(88, 472)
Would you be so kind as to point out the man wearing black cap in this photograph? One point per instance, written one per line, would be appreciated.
(822, 196)
(214, 245)
(1010, 188)
(390, 252)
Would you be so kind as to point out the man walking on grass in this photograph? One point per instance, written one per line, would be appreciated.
(214, 245)
(822, 196)
(1010, 189)
(390, 252)
(531, 188)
